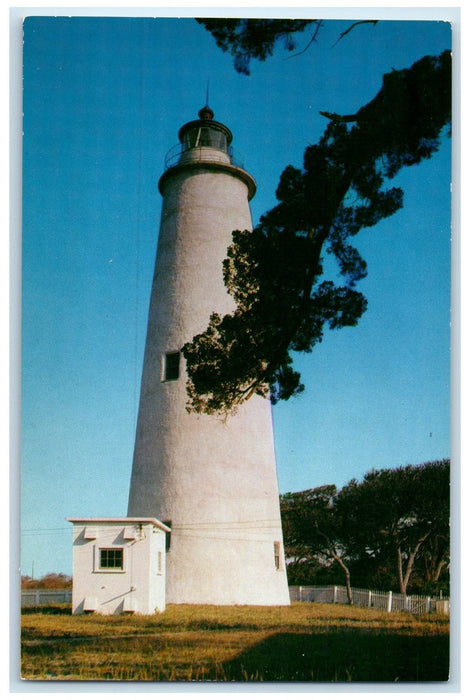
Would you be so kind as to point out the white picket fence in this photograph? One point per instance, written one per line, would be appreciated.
(45, 596)
(380, 600)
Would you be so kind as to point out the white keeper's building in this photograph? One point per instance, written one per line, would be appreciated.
(118, 565)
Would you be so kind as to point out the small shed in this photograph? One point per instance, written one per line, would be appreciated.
(118, 565)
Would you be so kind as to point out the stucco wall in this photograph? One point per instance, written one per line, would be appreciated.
(139, 587)
(214, 480)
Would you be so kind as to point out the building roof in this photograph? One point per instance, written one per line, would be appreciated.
(123, 521)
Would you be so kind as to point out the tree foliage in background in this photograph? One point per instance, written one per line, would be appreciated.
(275, 272)
(49, 581)
(312, 530)
(390, 530)
(397, 514)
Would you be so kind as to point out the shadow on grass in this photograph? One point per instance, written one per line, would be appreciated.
(343, 656)
(53, 609)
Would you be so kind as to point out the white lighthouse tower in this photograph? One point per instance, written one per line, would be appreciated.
(212, 481)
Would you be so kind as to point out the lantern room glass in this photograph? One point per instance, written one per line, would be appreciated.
(205, 136)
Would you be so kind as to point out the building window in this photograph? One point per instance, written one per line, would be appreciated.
(171, 369)
(167, 535)
(277, 555)
(159, 563)
(112, 559)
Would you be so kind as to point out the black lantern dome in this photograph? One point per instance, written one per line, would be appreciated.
(205, 132)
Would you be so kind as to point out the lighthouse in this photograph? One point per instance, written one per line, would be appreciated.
(212, 481)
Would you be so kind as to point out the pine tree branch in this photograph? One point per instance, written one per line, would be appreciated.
(312, 40)
(355, 24)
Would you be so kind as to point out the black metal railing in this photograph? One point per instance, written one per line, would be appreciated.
(175, 153)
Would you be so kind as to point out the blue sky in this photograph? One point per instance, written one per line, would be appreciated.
(103, 101)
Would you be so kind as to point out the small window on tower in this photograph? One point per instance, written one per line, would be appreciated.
(277, 555)
(167, 535)
(172, 367)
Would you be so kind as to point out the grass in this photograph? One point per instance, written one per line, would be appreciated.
(301, 642)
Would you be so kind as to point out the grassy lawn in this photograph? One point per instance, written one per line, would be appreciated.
(301, 642)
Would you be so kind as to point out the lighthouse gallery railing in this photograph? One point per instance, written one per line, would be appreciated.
(175, 153)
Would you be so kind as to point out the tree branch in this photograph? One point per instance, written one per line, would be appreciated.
(355, 24)
(314, 37)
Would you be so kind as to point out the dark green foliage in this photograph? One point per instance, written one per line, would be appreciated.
(255, 38)
(275, 272)
(310, 572)
(391, 530)
(247, 39)
(313, 532)
(398, 516)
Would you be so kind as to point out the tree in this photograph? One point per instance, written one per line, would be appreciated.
(50, 580)
(433, 559)
(387, 525)
(398, 513)
(312, 531)
(246, 39)
(274, 273)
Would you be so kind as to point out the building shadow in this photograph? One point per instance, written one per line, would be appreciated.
(344, 656)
